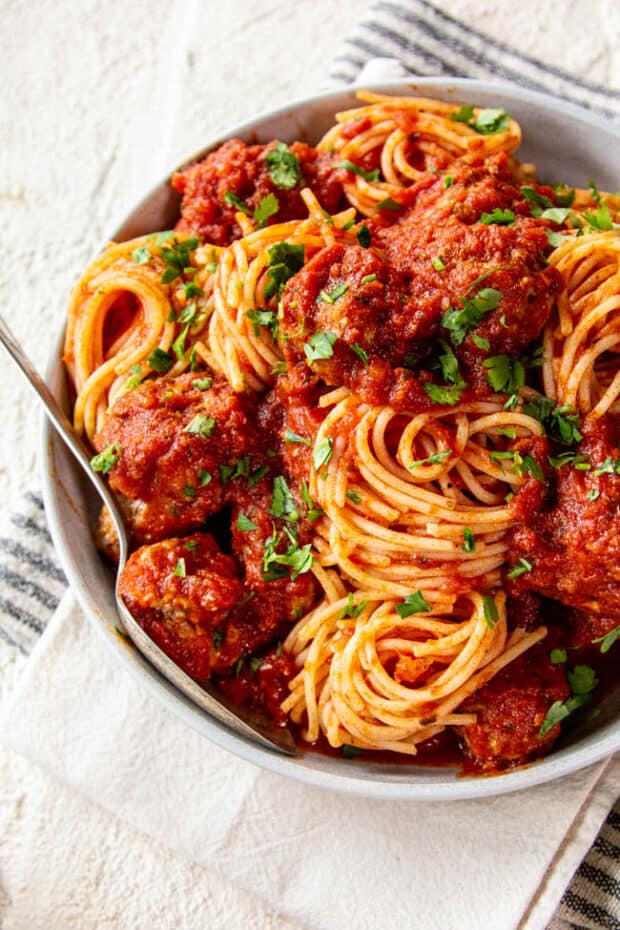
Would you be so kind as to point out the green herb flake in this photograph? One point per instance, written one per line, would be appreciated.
(320, 346)
(294, 438)
(608, 639)
(448, 181)
(370, 176)
(284, 167)
(438, 264)
(267, 207)
(233, 200)
(285, 260)
(498, 218)
(354, 496)
(189, 491)
(351, 609)
(178, 258)
(107, 459)
(413, 604)
(460, 322)
(593, 494)
(191, 545)
(444, 395)
(142, 255)
(555, 239)
(435, 458)
(505, 373)
(361, 353)
(389, 204)
(560, 423)
(257, 475)
(521, 568)
(558, 656)
(282, 502)
(205, 477)
(369, 278)
(179, 569)
(469, 542)
(201, 425)
(160, 361)
(480, 341)
(322, 452)
(218, 638)
(491, 615)
(332, 296)
(363, 236)
(245, 524)
(350, 752)
(203, 384)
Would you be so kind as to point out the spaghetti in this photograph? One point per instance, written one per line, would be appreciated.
(362, 388)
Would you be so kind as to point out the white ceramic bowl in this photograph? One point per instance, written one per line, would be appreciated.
(567, 144)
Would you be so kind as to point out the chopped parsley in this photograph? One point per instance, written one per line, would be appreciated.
(480, 341)
(608, 467)
(521, 568)
(469, 543)
(369, 278)
(505, 373)
(487, 122)
(191, 545)
(350, 752)
(189, 491)
(448, 181)
(218, 638)
(370, 176)
(413, 604)
(142, 255)
(444, 395)
(593, 494)
(107, 459)
(388, 204)
(582, 680)
(177, 258)
(205, 477)
(491, 615)
(179, 569)
(435, 458)
(438, 264)
(537, 202)
(555, 214)
(361, 353)
(580, 462)
(558, 656)
(298, 559)
(266, 318)
(332, 296)
(351, 609)
(284, 167)
(460, 322)
(555, 239)
(498, 218)
(160, 361)
(201, 426)
(323, 452)
(354, 496)
(601, 219)
(267, 207)
(313, 512)
(594, 191)
(608, 639)
(233, 200)
(320, 346)
(363, 236)
(257, 475)
(282, 502)
(292, 437)
(203, 384)
(245, 524)
(559, 422)
(285, 260)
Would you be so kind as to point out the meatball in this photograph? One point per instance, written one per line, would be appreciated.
(180, 451)
(243, 171)
(510, 710)
(572, 539)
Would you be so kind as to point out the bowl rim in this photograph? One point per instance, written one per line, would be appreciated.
(347, 778)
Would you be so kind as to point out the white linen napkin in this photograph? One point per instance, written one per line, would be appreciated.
(323, 859)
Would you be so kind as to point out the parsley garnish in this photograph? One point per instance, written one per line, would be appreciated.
(491, 615)
(582, 680)
(369, 278)
(370, 176)
(299, 560)
(361, 353)
(354, 496)
(285, 260)
(480, 341)
(267, 207)
(555, 239)
(506, 373)
(266, 318)
(179, 569)
(292, 437)
(448, 181)
(233, 200)
(203, 384)
(205, 477)
(608, 467)
(218, 638)
(413, 604)
(284, 167)
(519, 569)
(107, 459)
(469, 543)
(498, 218)
(142, 255)
(257, 475)
(388, 204)
(245, 524)
(189, 491)
(593, 494)
(191, 545)
(160, 361)
(177, 258)
(438, 264)
(601, 219)
(323, 452)
(460, 322)
(351, 609)
(320, 346)
(200, 426)
(433, 459)
(314, 512)
(332, 296)
(487, 121)
(444, 395)
(608, 639)
(558, 656)
(350, 752)
(537, 202)
(363, 236)
(559, 422)
(282, 502)
(580, 462)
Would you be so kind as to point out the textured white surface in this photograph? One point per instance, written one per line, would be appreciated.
(97, 100)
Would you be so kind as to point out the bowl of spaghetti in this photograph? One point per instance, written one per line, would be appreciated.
(353, 375)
